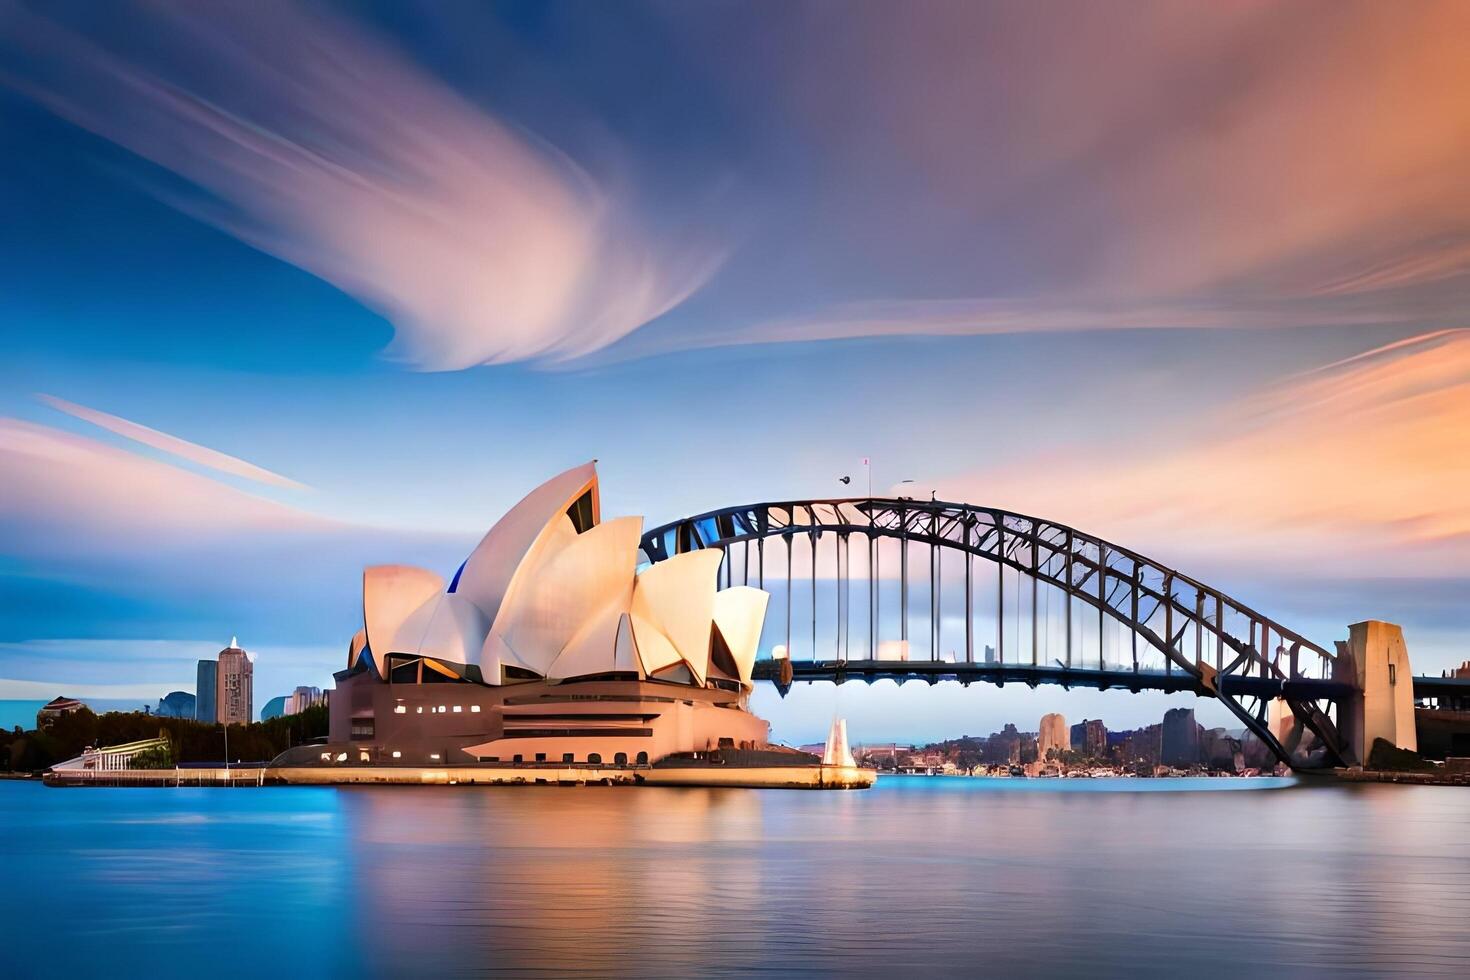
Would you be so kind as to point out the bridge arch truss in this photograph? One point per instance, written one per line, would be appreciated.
(1210, 643)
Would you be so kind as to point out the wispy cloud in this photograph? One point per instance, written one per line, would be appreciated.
(989, 168)
(82, 511)
(66, 493)
(320, 144)
(1359, 469)
(173, 445)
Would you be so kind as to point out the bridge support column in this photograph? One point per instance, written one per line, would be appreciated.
(1375, 660)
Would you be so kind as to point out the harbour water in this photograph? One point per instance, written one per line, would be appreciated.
(918, 876)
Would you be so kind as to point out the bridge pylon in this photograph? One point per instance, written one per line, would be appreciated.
(1374, 660)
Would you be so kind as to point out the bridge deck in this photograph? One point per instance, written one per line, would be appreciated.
(1087, 677)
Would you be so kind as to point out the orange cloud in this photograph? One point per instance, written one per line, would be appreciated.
(1361, 468)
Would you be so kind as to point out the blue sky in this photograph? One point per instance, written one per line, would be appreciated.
(402, 262)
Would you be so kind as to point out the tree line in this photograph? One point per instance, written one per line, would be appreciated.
(189, 741)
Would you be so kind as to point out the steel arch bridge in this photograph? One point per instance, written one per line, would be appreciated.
(1211, 644)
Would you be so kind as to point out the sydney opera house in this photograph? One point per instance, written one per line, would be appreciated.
(550, 645)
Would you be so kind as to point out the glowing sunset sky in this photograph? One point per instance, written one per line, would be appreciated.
(290, 289)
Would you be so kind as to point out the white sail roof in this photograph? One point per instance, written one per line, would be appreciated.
(551, 592)
(493, 566)
(677, 597)
(448, 627)
(390, 595)
(564, 587)
(739, 614)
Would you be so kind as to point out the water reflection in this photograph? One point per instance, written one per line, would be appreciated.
(1139, 878)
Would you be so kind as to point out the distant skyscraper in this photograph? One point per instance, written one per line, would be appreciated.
(234, 697)
(204, 691)
(989, 654)
(1181, 738)
(1054, 734)
(303, 698)
(1090, 737)
(274, 708)
(1097, 738)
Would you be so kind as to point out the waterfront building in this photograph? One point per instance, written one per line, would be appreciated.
(1009, 746)
(205, 674)
(1181, 738)
(1461, 672)
(303, 698)
(275, 707)
(1090, 737)
(54, 709)
(1219, 750)
(234, 704)
(111, 758)
(1139, 746)
(549, 645)
(176, 704)
(1053, 736)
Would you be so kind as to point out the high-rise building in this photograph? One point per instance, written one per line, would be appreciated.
(1090, 737)
(204, 691)
(233, 699)
(302, 698)
(1181, 738)
(1053, 736)
(1097, 738)
(275, 707)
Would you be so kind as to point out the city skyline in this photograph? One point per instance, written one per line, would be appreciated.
(1207, 307)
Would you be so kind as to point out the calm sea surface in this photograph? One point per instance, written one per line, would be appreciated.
(919, 876)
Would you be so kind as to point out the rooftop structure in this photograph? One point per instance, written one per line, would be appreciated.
(55, 708)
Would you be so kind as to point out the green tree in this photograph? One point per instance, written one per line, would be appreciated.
(158, 757)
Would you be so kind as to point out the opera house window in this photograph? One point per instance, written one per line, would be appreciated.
(400, 709)
(621, 759)
(397, 755)
(595, 759)
(362, 728)
(568, 757)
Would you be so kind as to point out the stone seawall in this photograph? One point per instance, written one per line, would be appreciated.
(770, 777)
